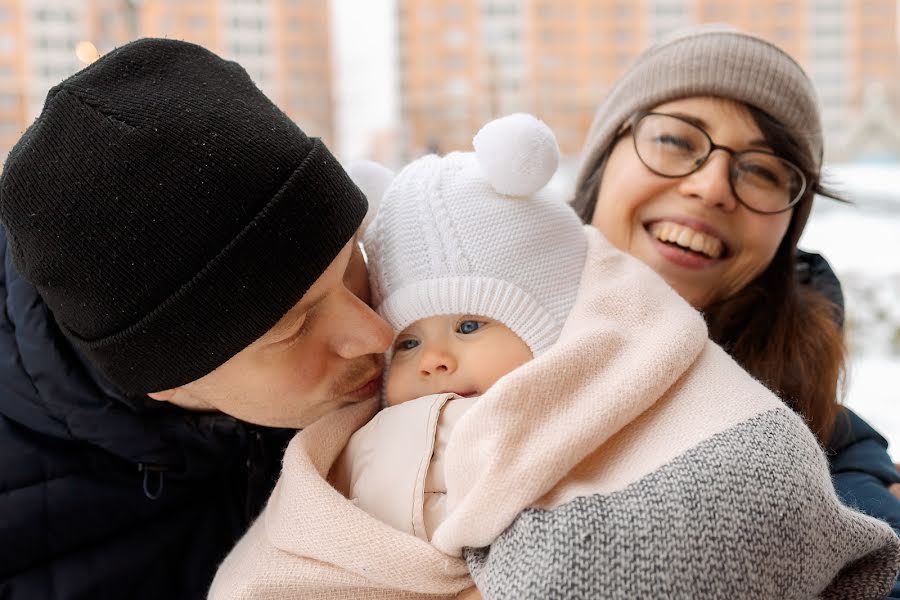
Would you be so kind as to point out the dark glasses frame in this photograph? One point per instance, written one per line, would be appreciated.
(634, 124)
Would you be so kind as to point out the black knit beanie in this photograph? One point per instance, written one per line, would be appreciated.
(168, 213)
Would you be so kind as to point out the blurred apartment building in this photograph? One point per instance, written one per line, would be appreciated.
(462, 62)
(283, 44)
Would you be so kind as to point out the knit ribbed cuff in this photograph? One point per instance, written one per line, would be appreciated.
(479, 296)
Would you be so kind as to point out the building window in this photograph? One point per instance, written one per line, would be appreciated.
(248, 23)
(546, 10)
(198, 22)
(454, 61)
(43, 14)
(507, 9)
(784, 9)
(836, 6)
(784, 34)
(829, 31)
(623, 9)
(455, 112)
(427, 14)
(716, 12)
(457, 87)
(455, 37)
(249, 48)
(877, 8)
(454, 12)
(548, 61)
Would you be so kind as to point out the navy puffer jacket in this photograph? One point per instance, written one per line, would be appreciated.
(103, 496)
(861, 467)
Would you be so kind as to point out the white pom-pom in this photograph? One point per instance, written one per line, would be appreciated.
(373, 179)
(518, 154)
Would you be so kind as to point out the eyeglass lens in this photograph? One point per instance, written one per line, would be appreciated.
(673, 147)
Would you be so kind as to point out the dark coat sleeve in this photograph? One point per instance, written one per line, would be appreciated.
(862, 470)
(860, 464)
(861, 467)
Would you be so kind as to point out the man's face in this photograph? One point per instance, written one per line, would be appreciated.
(325, 353)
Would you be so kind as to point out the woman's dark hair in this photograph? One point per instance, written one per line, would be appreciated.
(783, 333)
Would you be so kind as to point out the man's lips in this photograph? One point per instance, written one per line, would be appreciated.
(371, 387)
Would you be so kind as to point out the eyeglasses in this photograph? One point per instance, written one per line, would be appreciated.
(673, 147)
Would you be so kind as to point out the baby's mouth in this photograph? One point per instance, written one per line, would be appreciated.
(687, 239)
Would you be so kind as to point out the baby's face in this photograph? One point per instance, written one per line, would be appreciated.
(464, 354)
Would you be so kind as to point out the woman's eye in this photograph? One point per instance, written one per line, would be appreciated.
(408, 344)
(761, 173)
(675, 141)
(469, 326)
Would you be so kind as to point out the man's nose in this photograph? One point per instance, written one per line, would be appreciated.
(436, 361)
(363, 331)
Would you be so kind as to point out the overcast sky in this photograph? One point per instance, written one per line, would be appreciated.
(364, 37)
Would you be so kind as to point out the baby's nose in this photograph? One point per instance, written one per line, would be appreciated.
(435, 361)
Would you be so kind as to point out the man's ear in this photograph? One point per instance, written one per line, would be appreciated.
(163, 396)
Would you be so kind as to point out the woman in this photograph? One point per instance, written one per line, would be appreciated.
(703, 162)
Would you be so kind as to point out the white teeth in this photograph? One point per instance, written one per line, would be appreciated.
(666, 231)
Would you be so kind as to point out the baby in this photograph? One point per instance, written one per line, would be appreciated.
(476, 269)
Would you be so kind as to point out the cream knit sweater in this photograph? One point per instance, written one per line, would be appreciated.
(631, 459)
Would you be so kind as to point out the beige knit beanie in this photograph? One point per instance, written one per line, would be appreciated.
(712, 61)
(477, 233)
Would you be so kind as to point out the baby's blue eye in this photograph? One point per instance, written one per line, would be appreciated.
(469, 326)
(406, 345)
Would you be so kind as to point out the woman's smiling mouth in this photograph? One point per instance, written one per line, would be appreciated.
(687, 239)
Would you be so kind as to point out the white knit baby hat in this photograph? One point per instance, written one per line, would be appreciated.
(474, 233)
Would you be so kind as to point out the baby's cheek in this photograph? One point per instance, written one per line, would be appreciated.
(395, 392)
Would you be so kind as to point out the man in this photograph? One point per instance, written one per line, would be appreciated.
(178, 261)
